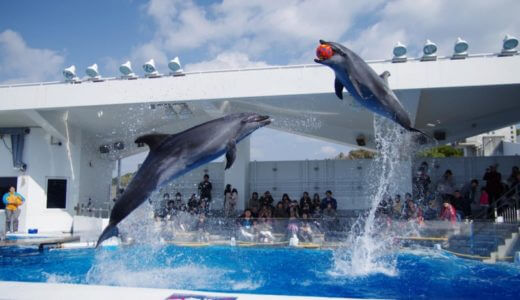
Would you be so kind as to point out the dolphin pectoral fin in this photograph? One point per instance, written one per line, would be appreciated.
(338, 88)
(231, 153)
(152, 140)
(110, 231)
(385, 76)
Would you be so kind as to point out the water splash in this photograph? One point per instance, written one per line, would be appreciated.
(370, 248)
(67, 144)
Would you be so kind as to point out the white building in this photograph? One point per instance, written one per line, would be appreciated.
(500, 141)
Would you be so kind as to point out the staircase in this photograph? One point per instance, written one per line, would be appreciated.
(485, 241)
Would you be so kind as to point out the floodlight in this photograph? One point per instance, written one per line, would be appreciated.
(175, 66)
(70, 74)
(150, 70)
(509, 45)
(460, 49)
(399, 52)
(429, 50)
(93, 73)
(104, 149)
(126, 70)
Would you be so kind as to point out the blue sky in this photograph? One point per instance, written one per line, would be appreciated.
(39, 38)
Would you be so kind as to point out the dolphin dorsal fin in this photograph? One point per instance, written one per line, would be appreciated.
(152, 140)
(385, 76)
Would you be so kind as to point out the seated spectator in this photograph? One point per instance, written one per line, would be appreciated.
(179, 204)
(265, 212)
(305, 199)
(280, 212)
(266, 199)
(513, 178)
(246, 219)
(292, 225)
(330, 217)
(329, 200)
(460, 206)
(432, 211)
(317, 212)
(294, 208)
(305, 229)
(263, 231)
(316, 202)
(170, 210)
(254, 201)
(193, 203)
(398, 207)
(305, 209)
(448, 212)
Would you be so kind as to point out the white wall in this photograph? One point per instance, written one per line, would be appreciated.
(44, 161)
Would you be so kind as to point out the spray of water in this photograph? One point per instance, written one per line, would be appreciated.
(370, 248)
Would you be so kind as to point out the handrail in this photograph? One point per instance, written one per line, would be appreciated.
(504, 201)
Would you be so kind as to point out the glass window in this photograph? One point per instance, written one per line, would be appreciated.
(56, 193)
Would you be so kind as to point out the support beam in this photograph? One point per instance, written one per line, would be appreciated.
(52, 122)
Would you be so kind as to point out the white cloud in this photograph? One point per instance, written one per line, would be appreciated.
(258, 28)
(328, 150)
(482, 23)
(226, 60)
(20, 63)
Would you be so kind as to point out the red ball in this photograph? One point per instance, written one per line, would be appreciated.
(324, 52)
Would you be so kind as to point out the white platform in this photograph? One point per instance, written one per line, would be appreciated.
(30, 290)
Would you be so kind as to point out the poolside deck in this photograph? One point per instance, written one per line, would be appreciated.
(40, 242)
(29, 290)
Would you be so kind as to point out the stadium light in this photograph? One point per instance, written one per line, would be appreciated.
(70, 74)
(175, 66)
(460, 50)
(509, 46)
(150, 69)
(429, 51)
(126, 70)
(93, 72)
(399, 52)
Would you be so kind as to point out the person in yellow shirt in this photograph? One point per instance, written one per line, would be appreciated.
(12, 201)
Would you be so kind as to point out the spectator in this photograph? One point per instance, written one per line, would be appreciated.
(459, 204)
(422, 181)
(448, 212)
(12, 201)
(316, 214)
(329, 217)
(179, 204)
(205, 188)
(193, 203)
(227, 197)
(246, 219)
(305, 199)
(266, 199)
(446, 185)
(398, 207)
(484, 197)
(254, 201)
(294, 209)
(170, 210)
(470, 191)
(316, 202)
(233, 201)
(329, 200)
(280, 212)
(305, 229)
(493, 183)
(286, 202)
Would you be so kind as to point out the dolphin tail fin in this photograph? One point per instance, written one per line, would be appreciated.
(110, 231)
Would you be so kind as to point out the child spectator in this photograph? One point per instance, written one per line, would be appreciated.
(484, 197)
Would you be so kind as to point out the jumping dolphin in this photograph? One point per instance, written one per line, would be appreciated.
(368, 88)
(174, 155)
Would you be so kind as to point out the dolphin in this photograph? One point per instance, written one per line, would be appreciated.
(362, 82)
(173, 155)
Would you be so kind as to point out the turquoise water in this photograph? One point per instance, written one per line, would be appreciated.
(420, 274)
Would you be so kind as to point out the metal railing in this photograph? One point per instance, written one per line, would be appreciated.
(506, 208)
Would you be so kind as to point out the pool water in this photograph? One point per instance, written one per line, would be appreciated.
(285, 271)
